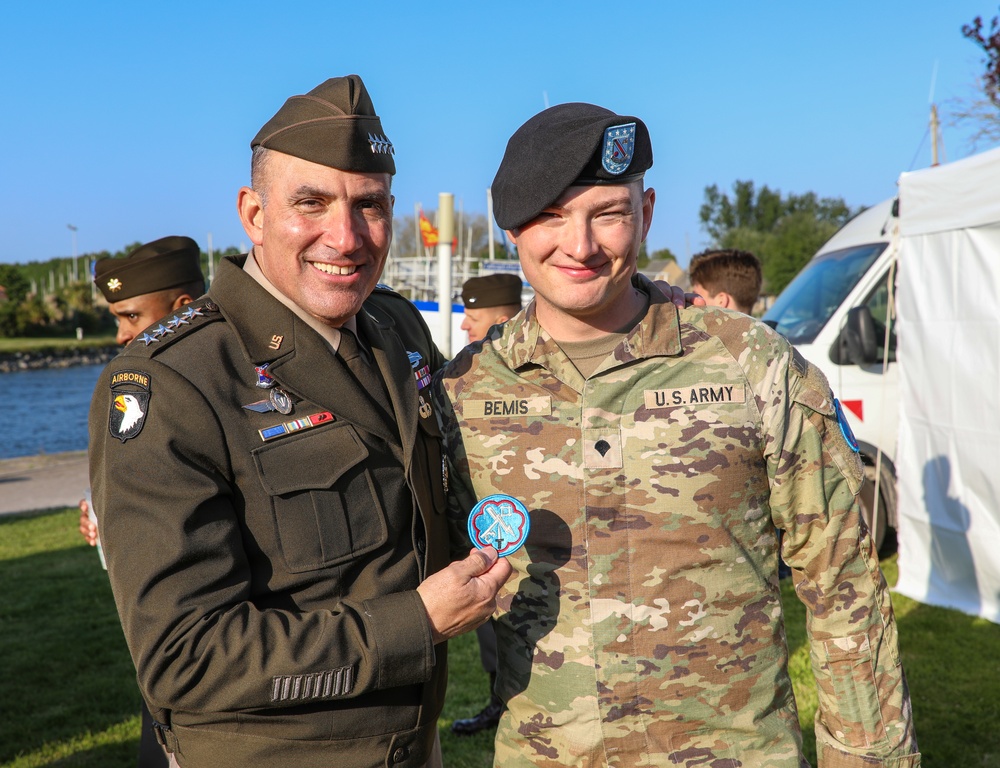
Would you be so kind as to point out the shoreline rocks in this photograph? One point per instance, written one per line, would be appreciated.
(55, 358)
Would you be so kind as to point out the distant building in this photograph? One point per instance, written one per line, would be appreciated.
(667, 270)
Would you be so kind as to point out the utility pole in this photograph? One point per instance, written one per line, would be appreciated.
(72, 229)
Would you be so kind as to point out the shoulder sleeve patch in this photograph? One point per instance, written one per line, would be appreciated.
(130, 392)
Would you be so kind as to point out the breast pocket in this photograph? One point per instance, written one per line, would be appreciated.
(323, 498)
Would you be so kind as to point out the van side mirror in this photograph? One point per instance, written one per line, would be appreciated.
(857, 343)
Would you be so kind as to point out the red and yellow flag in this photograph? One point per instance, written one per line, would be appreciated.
(427, 232)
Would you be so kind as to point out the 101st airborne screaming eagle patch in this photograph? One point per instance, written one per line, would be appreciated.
(129, 403)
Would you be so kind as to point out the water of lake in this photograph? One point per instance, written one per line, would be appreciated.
(46, 410)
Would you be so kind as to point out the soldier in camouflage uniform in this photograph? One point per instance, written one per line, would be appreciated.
(658, 450)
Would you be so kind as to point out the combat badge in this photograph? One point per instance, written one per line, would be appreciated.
(619, 146)
(845, 427)
(129, 403)
(501, 522)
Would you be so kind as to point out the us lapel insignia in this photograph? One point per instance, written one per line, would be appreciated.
(130, 392)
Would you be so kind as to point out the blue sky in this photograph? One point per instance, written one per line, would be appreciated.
(132, 121)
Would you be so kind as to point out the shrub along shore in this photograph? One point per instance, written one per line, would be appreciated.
(30, 354)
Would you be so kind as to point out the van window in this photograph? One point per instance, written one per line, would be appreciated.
(878, 305)
(807, 303)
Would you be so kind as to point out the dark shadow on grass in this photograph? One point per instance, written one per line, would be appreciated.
(66, 667)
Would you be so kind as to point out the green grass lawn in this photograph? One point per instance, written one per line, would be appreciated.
(68, 696)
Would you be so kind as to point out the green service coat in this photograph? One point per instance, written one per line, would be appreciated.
(267, 588)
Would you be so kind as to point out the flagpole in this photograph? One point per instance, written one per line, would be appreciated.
(446, 235)
(489, 222)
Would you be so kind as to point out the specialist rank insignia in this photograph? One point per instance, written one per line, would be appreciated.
(129, 404)
(501, 522)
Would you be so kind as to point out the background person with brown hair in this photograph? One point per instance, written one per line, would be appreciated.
(728, 278)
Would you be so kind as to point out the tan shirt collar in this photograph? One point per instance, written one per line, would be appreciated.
(330, 335)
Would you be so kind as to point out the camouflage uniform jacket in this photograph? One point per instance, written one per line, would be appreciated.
(643, 622)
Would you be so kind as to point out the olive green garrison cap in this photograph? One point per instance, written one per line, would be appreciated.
(333, 125)
(155, 266)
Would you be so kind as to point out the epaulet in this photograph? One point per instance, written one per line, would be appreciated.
(387, 299)
(384, 289)
(170, 329)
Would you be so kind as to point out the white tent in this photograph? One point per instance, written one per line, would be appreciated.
(948, 463)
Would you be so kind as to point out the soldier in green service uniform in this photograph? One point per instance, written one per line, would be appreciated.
(658, 450)
(268, 478)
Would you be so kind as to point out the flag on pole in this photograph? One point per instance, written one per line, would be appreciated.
(427, 232)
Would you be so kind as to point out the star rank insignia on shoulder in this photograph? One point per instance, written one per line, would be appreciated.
(174, 324)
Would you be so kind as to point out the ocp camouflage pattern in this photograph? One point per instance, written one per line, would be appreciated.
(643, 624)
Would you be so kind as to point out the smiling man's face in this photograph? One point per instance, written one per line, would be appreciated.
(579, 254)
(322, 234)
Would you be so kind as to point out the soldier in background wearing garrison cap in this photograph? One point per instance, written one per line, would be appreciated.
(489, 300)
(268, 478)
(658, 451)
(152, 281)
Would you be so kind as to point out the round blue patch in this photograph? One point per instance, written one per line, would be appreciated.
(501, 522)
(845, 427)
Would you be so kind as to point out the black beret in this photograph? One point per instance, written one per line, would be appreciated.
(492, 291)
(334, 125)
(566, 145)
(156, 266)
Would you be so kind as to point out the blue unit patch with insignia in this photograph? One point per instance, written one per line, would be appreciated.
(619, 147)
(845, 427)
(501, 522)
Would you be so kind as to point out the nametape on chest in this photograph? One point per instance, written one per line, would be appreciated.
(507, 407)
(696, 394)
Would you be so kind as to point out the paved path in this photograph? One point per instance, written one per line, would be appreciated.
(43, 482)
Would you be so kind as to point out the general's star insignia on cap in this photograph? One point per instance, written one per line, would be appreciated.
(380, 144)
(501, 522)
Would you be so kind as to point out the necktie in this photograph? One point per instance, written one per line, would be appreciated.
(364, 372)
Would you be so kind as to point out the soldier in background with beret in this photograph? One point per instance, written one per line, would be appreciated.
(149, 283)
(658, 450)
(269, 483)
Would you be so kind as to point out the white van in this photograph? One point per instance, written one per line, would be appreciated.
(835, 312)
